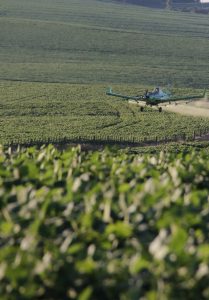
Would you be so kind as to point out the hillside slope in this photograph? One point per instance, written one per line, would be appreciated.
(161, 3)
(68, 41)
(149, 3)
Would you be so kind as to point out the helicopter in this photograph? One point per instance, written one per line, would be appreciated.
(156, 98)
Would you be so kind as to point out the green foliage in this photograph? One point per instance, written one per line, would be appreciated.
(69, 41)
(103, 225)
(39, 112)
(184, 147)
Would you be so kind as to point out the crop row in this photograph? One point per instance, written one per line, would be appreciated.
(42, 112)
(102, 42)
(103, 225)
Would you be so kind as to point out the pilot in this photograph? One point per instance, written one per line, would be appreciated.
(146, 95)
(157, 90)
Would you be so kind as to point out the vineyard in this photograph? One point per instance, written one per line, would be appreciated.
(111, 224)
(171, 147)
(103, 225)
(37, 113)
(101, 42)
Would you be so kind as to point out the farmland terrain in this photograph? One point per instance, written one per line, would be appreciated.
(77, 42)
(43, 112)
(185, 5)
(161, 3)
(103, 225)
(58, 58)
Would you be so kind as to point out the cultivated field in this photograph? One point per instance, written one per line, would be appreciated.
(109, 224)
(103, 225)
(92, 42)
(41, 112)
(69, 53)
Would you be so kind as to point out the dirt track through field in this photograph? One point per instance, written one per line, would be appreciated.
(196, 108)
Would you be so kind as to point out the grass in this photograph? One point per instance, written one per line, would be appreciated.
(99, 42)
(38, 112)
